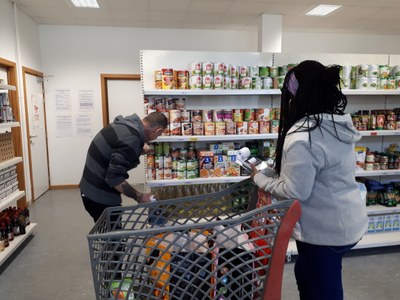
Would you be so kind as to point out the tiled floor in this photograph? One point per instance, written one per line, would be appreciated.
(54, 264)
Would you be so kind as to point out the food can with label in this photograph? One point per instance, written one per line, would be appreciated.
(195, 82)
(282, 70)
(218, 82)
(167, 79)
(182, 80)
(219, 68)
(181, 164)
(245, 83)
(151, 174)
(218, 115)
(345, 83)
(263, 71)
(384, 71)
(273, 71)
(175, 129)
(196, 116)
(192, 164)
(397, 81)
(230, 127)
(345, 72)
(207, 115)
(280, 80)
(241, 127)
(380, 121)
(160, 105)
(362, 70)
(395, 71)
(158, 79)
(150, 160)
(234, 83)
(253, 127)
(256, 83)
(254, 71)
(192, 174)
(372, 83)
(181, 175)
(187, 129)
(195, 68)
(159, 162)
(238, 115)
(266, 83)
(227, 82)
(185, 116)
(175, 116)
(362, 83)
(234, 71)
(209, 128)
(227, 115)
(198, 128)
(227, 69)
(167, 173)
(373, 71)
(207, 82)
(262, 114)
(167, 164)
(158, 148)
(383, 83)
(248, 114)
(274, 126)
(170, 103)
(264, 126)
(244, 71)
(208, 68)
(220, 128)
(391, 83)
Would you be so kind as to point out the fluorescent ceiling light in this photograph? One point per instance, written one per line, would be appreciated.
(323, 10)
(85, 3)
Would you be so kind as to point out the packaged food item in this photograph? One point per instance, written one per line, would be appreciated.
(196, 82)
(360, 153)
(232, 168)
(174, 115)
(196, 116)
(182, 80)
(218, 82)
(195, 68)
(262, 114)
(238, 115)
(209, 128)
(220, 128)
(175, 128)
(253, 127)
(218, 115)
(207, 82)
(207, 68)
(198, 128)
(219, 165)
(207, 115)
(187, 129)
(219, 68)
(167, 79)
(206, 165)
(230, 127)
(158, 79)
(227, 115)
(249, 114)
(241, 127)
(185, 116)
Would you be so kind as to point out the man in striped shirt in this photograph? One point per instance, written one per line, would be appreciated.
(113, 152)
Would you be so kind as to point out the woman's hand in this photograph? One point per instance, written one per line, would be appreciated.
(254, 171)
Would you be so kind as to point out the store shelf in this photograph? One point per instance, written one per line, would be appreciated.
(382, 210)
(363, 173)
(6, 87)
(380, 132)
(233, 137)
(175, 182)
(210, 92)
(18, 240)
(371, 92)
(6, 127)
(11, 199)
(370, 240)
(10, 162)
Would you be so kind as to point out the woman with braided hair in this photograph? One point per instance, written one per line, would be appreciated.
(315, 164)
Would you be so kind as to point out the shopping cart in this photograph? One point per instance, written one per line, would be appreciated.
(211, 246)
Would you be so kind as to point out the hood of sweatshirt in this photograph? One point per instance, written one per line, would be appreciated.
(132, 121)
(340, 126)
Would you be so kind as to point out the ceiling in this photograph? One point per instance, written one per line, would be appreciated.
(355, 16)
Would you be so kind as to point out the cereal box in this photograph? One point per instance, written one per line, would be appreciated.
(219, 165)
(206, 164)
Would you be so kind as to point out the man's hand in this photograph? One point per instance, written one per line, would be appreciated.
(147, 150)
(145, 198)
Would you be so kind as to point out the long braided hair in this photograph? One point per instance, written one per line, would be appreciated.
(318, 91)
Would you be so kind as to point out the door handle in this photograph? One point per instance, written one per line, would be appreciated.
(33, 136)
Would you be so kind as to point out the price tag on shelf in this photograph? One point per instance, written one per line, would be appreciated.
(374, 133)
(193, 139)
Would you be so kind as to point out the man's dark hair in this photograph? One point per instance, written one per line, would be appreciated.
(156, 119)
(318, 93)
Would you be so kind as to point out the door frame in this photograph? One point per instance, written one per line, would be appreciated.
(28, 71)
(104, 90)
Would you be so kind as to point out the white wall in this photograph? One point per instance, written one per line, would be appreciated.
(20, 44)
(340, 43)
(74, 57)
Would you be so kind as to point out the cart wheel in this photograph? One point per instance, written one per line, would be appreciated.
(288, 257)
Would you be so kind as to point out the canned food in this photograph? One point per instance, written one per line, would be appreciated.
(175, 129)
(158, 79)
(195, 82)
(219, 68)
(182, 80)
(273, 71)
(196, 116)
(192, 174)
(262, 114)
(238, 115)
(151, 174)
(208, 68)
(227, 82)
(256, 83)
(266, 83)
(245, 83)
(185, 116)
(192, 164)
(263, 71)
(207, 115)
(234, 72)
(220, 128)
(207, 82)
(244, 71)
(234, 83)
(249, 114)
(187, 129)
(218, 82)
(167, 79)
(159, 174)
(241, 127)
(174, 115)
(264, 127)
(254, 71)
(253, 127)
(209, 128)
(181, 174)
(198, 128)
(159, 162)
(195, 68)
(227, 115)
(230, 127)
(218, 115)
(150, 160)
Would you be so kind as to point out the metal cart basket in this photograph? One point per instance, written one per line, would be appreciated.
(210, 246)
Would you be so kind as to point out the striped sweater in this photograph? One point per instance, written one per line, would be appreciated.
(113, 152)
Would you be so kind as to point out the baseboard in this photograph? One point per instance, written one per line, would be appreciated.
(62, 187)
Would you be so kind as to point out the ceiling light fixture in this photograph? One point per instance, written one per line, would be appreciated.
(323, 10)
(85, 3)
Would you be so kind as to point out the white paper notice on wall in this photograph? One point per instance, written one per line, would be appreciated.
(86, 100)
(64, 126)
(35, 111)
(83, 125)
(63, 100)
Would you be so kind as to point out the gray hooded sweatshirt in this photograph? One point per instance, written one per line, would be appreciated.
(321, 175)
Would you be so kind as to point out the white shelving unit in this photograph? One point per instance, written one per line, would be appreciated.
(12, 199)
(200, 99)
(17, 242)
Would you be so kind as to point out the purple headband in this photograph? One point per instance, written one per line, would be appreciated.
(293, 84)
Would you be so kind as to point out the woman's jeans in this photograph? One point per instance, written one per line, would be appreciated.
(318, 271)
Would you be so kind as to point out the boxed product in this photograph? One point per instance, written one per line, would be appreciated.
(219, 165)
(232, 167)
(206, 164)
